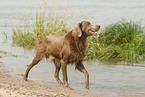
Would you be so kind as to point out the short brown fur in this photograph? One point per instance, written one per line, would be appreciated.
(63, 50)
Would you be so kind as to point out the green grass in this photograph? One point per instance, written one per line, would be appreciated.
(43, 24)
(120, 41)
(49, 25)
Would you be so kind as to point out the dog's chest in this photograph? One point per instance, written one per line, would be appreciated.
(74, 52)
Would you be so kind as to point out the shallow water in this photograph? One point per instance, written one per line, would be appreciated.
(104, 77)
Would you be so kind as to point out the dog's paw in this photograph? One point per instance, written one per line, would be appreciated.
(87, 87)
(61, 84)
(67, 87)
(24, 78)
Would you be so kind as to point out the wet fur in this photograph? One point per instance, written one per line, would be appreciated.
(63, 50)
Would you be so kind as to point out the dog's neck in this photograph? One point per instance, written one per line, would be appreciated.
(77, 43)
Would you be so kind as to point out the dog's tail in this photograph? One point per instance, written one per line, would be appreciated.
(37, 41)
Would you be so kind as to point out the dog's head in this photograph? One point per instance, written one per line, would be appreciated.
(85, 28)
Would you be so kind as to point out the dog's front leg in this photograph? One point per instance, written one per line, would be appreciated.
(82, 69)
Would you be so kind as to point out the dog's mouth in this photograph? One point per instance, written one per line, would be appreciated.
(92, 32)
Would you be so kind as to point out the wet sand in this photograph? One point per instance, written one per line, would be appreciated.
(13, 86)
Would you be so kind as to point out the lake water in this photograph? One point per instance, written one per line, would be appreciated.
(104, 77)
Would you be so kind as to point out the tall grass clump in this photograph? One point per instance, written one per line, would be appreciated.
(43, 24)
(121, 41)
(49, 25)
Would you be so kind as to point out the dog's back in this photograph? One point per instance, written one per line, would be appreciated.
(52, 46)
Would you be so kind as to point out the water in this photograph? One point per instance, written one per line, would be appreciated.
(103, 76)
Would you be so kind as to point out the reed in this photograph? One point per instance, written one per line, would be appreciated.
(44, 24)
(121, 41)
(49, 25)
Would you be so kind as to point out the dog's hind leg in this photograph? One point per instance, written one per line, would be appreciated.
(37, 58)
(65, 78)
(82, 69)
(56, 75)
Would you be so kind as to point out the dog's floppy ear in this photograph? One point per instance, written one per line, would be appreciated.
(77, 30)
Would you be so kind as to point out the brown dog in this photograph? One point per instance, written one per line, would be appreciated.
(63, 50)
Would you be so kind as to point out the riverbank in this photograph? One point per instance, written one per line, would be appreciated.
(13, 86)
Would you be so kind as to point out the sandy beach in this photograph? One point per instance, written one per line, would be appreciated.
(13, 86)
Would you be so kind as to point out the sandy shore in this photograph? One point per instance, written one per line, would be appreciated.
(12, 86)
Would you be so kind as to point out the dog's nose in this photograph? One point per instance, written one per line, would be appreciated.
(99, 26)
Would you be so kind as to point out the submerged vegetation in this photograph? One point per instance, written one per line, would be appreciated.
(121, 41)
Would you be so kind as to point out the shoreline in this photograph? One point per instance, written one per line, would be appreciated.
(12, 86)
